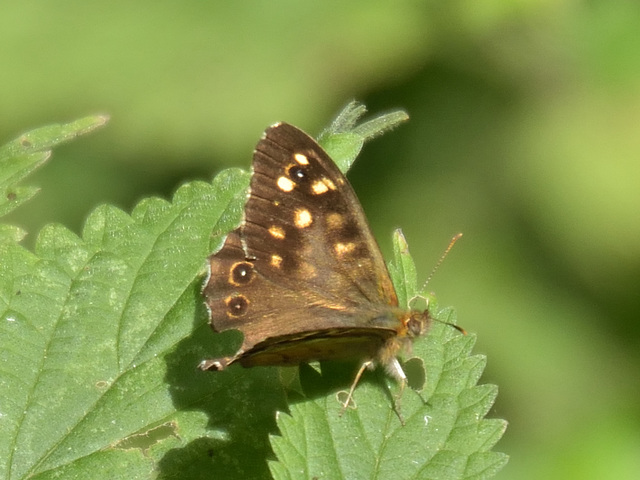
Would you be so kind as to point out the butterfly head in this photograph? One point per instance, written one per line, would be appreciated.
(417, 323)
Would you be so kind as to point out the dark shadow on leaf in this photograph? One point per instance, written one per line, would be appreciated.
(339, 376)
(240, 404)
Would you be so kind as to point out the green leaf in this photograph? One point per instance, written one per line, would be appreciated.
(403, 270)
(344, 139)
(11, 234)
(29, 151)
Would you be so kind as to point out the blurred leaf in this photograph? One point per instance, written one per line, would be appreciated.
(44, 138)
(344, 138)
(29, 151)
(11, 234)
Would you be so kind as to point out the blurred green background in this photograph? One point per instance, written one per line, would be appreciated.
(524, 135)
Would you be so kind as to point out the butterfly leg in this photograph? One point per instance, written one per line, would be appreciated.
(395, 370)
(216, 364)
(347, 402)
(213, 365)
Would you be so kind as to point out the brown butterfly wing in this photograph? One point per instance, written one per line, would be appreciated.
(304, 262)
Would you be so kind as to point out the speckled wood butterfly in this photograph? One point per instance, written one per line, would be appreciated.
(303, 277)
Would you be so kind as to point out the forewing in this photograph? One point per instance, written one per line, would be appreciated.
(304, 258)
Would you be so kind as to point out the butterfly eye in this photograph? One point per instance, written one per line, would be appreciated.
(416, 325)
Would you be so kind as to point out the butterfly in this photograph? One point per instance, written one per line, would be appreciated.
(303, 277)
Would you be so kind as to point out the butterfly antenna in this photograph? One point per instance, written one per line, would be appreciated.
(440, 260)
(442, 257)
(457, 327)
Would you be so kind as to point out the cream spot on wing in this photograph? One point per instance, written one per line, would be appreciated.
(330, 185)
(276, 261)
(301, 159)
(276, 232)
(344, 248)
(285, 184)
(302, 218)
(319, 187)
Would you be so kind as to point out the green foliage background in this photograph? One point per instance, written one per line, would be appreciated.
(523, 135)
